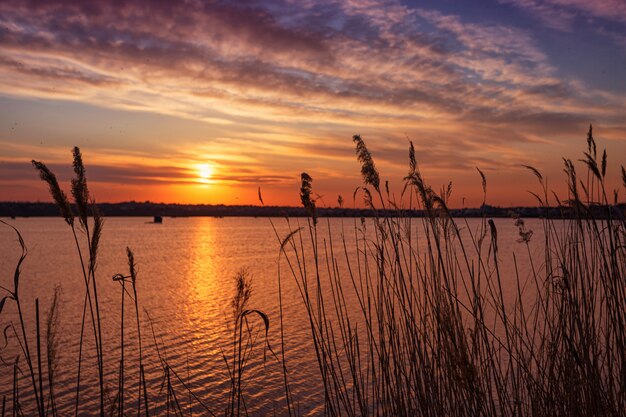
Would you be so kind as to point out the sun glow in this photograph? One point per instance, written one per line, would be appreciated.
(205, 173)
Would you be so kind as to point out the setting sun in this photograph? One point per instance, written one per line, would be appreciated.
(205, 173)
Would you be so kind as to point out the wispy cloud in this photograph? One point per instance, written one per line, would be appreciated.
(569, 15)
(279, 83)
(561, 13)
(245, 58)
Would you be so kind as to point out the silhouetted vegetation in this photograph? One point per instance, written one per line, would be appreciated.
(414, 323)
(148, 209)
(434, 333)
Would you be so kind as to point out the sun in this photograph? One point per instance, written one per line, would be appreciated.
(204, 172)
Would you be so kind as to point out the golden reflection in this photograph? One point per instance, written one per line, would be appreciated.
(204, 313)
(204, 309)
(203, 257)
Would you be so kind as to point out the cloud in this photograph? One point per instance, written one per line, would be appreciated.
(98, 173)
(548, 14)
(136, 174)
(568, 15)
(614, 10)
(280, 83)
(245, 58)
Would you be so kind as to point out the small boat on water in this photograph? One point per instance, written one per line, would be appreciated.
(158, 219)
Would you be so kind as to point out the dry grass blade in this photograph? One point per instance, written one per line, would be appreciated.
(288, 237)
(18, 268)
(534, 171)
(539, 199)
(266, 322)
(52, 345)
(2, 301)
(6, 335)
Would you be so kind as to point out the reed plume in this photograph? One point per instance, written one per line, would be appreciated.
(59, 197)
(305, 196)
(80, 193)
(368, 169)
(243, 291)
(592, 165)
(79, 186)
(591, 142)
(242, 339)
(96, 234)
(483, 180)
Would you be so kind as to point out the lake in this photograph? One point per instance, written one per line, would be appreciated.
(186, 269)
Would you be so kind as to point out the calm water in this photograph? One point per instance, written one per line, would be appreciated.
(185, 283)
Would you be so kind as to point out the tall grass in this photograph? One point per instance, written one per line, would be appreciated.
(419, 318)
(85, 223)
(436, 334)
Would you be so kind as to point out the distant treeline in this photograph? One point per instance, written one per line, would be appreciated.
(149, 209)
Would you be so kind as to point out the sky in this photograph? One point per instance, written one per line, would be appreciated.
(206, 101)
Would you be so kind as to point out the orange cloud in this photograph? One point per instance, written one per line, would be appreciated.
(265, 90)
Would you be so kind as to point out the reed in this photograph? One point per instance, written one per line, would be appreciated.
(243, 340)
(52, 347)
(85, 209)
(435, 333)
(24, 344)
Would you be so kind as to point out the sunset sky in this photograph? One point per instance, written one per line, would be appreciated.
(205, 101)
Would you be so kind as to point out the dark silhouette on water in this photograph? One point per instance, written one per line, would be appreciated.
(156, 210)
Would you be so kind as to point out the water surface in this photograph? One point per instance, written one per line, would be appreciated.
(185, 286)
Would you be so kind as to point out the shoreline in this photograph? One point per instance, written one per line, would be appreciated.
(148, 209)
